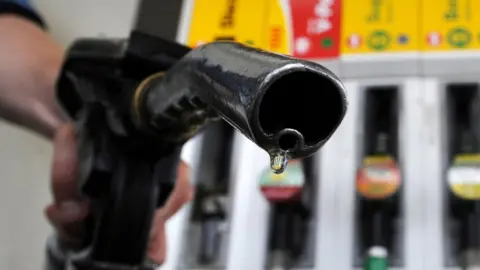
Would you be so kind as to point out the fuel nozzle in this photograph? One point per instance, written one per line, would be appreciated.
(136, 101)
(272, 99)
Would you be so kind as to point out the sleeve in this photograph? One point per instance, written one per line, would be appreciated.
(21, 8)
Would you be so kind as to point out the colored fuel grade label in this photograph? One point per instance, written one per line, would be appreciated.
(378, 178)
(464, 177)
(315, 26)
(307, 29)
(373, 26)
(283, 186)
(227, 20)
(448, 25)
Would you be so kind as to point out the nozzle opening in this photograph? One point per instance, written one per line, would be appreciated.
(287, 141)
(304, 101)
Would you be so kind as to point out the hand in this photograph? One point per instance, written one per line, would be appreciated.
(69, 209)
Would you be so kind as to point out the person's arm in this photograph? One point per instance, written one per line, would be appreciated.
(30, 62)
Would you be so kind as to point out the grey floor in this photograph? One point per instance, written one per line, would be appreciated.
(25, 158)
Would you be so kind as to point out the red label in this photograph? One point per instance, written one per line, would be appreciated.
(316, 28)
(276, 194)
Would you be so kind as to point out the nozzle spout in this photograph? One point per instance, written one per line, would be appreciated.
(280, 103)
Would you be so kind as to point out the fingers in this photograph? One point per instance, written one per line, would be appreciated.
(68, 211)
(64, 166)
(67, 219)
(181, 194)
(157, 246)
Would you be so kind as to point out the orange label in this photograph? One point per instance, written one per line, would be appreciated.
(378, 178)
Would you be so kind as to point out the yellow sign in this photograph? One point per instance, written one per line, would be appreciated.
(447, 25)
(475, 24)
(276, 32)
(230, 20)
(370, 26)
(251, 20)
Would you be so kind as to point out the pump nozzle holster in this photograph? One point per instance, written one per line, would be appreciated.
(137, 101)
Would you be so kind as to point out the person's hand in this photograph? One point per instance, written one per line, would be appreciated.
(69, 209)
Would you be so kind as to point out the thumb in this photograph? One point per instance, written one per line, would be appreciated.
(64, 165)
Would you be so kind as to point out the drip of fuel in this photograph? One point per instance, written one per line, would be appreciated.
(379, 176)
(278, 162)
(278, 187)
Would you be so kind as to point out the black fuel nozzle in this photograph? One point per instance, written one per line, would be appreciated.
(269, 98)
(136, 101)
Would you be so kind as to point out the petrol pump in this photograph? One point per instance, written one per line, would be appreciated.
(206, 241)
(463, 175)
(378, 180)
(291, 198)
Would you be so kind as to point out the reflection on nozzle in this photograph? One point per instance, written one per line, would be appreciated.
(266, 96)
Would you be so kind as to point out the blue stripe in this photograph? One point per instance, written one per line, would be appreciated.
(23, 3)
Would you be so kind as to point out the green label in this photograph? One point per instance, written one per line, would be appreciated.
(327, 42)
(373, 263)
(379, 40)
(459, 37)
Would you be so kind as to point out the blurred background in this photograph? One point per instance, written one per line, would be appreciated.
(397, 186)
